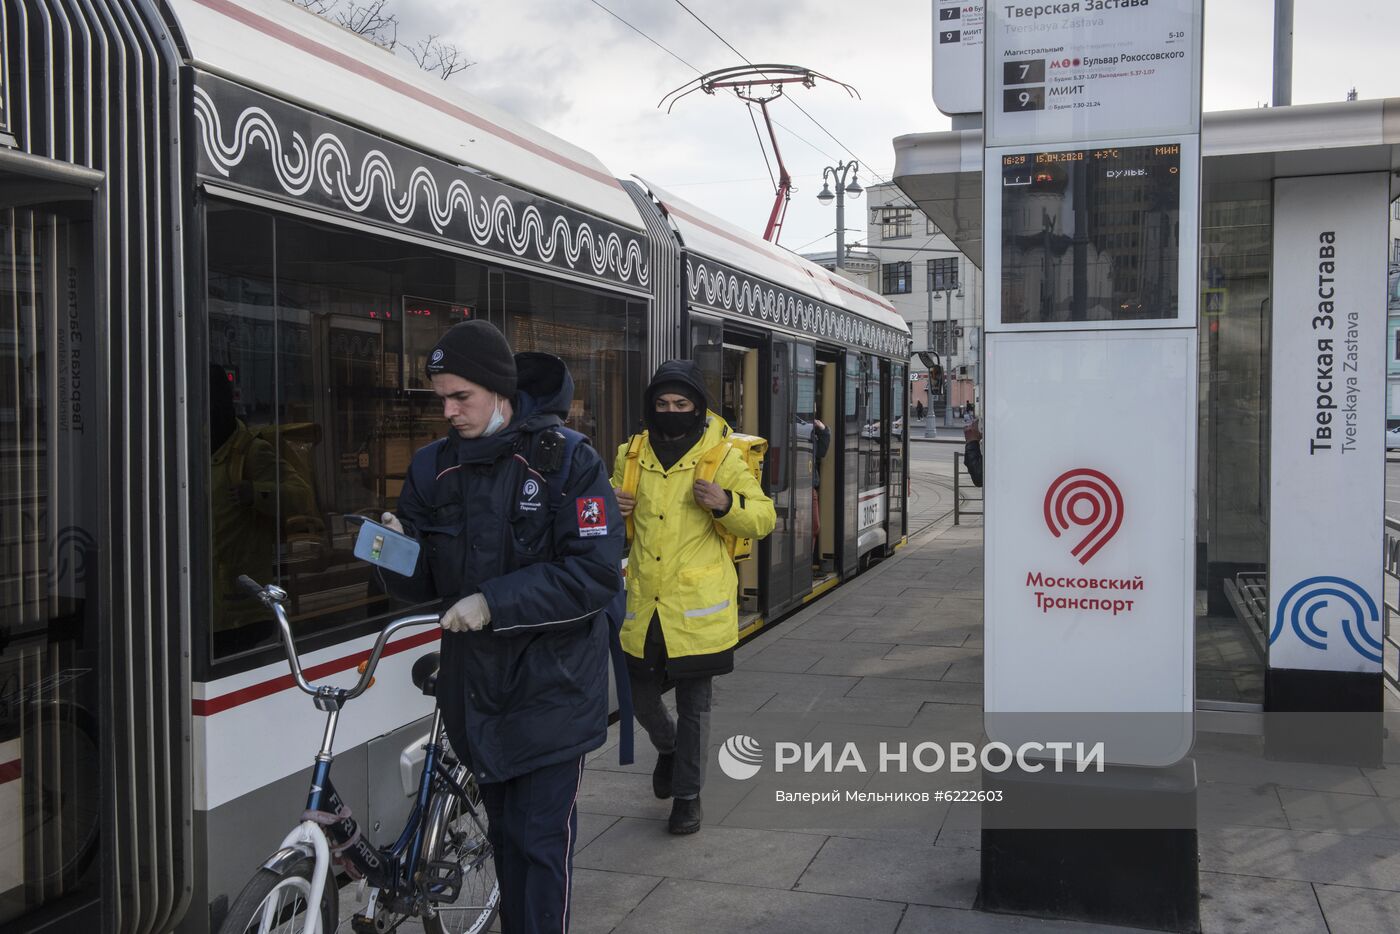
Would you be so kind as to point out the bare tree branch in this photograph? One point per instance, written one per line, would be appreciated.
(375, 21)
(319, 7)
(371, 20)
(444, 59)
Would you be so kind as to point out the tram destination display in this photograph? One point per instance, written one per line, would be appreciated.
(1090, 234)
(1092, 69)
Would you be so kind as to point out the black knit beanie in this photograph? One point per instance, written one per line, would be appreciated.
(475, 350)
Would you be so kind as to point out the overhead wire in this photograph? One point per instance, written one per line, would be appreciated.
(818, 123)
(761, 147)
(818, 240)
(645, 36)
(664, 48)
(848, 149)
(803, 110)
(713, 33)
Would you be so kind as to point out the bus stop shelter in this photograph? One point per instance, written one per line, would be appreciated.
(1244, 153)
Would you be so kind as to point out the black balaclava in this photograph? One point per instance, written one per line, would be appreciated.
(669, 425)
(682, 377)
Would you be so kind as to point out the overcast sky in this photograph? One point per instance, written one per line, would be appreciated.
(568, 66)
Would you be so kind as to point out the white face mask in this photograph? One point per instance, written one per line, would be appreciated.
(497, 421)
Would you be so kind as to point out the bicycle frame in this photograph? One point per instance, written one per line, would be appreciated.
(328, 830)
(390, 869)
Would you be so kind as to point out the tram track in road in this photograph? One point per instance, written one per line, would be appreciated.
(930, 494)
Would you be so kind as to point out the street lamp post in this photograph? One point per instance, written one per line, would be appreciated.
(842, 189)
(929, 430)
(948, 346)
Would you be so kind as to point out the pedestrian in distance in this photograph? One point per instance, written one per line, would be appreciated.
(521, 545)
(682, 619)
(972, 447)
(919, 410)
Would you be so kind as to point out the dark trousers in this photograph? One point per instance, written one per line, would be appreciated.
(688, 736)
(532, 826)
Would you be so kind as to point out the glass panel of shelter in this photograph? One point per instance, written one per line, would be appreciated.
(1233, 456)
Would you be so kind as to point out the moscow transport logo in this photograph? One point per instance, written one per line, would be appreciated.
(1088, 499)
(1358, 615)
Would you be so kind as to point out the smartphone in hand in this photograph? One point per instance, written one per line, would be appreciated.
(383, 547)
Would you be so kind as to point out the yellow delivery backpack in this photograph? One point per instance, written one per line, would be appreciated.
(750, 447)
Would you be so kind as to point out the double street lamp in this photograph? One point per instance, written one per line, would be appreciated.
(843, 188)
(947, 344)
(933, 287)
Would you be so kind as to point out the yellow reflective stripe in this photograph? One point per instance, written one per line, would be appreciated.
(708, 610)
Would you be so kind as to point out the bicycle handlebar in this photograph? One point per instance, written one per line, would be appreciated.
(274, 597)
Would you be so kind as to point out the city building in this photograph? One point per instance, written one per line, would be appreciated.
(860, 266)
(935, 288)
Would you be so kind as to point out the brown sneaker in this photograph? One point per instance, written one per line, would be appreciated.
(685, 815)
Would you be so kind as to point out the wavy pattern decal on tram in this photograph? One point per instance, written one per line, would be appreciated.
(722, 288)
(434, 197)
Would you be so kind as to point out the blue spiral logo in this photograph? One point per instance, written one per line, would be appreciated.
(1301, 604)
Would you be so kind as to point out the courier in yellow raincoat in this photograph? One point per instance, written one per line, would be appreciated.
(682, 617)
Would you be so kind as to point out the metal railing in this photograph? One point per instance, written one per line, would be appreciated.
(958, 510)
(1390, 599)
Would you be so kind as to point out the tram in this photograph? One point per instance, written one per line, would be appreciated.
(231, 233)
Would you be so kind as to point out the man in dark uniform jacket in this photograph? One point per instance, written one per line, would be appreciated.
(522, 543)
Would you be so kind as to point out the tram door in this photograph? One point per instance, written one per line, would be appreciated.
(730, 364)
(846, 446)
(740, 402)
(897, 383)
(827, 473)
(791, 387)
(51, 615)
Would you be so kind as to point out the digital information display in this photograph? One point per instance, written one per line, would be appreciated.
(1093, 234)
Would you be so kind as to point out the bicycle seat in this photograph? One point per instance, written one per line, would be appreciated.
(425, 672)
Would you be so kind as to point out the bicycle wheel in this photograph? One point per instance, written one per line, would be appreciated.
(66, 798)
(276, 904)
(457, 833)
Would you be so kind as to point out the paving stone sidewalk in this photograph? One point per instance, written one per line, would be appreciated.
(1283, 847)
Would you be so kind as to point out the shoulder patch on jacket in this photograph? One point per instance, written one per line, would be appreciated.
(592, 516)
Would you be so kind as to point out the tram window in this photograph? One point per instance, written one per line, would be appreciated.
(707, 350)
(852, 388)
(776, 460)
(313, 336)
(424, 321)
(872, 462)
(243, 477)
(898, 383)
(590, 333)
